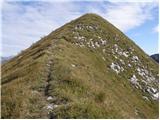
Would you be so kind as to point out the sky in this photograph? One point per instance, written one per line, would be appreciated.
(23, 22)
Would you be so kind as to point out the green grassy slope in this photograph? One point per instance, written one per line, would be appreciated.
(84, 69)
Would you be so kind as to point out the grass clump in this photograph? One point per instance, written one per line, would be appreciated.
(100, 97)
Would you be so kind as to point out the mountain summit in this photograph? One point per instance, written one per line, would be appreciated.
(85, 69)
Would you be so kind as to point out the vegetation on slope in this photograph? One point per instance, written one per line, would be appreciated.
(69, 74)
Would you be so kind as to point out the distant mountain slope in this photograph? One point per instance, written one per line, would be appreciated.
(155, 57)
(5, 59)
(85, 69)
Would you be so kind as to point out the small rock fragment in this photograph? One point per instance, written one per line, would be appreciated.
(50, 98)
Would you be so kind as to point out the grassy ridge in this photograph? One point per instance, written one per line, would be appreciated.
(91, 91)
(82, 83)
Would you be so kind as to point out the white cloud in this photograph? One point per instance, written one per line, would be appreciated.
(156, 29)
(126, 16)
(25, 24)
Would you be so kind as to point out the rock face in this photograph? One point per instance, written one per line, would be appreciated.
(155, 57)
(85, 69)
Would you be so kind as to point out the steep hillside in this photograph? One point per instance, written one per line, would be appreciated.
(85, 69)
(5, 59)
(155, 57)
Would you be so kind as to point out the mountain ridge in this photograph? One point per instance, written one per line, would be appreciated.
(155, 57)
(73, 73)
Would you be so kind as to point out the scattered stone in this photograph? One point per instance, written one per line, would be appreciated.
(104, 50)
(50, 98)
(120, 52)
(81, 38)
(73, 65)
(99, 37)
(141, 72)
(129, 65)
(103, 58)
(122, 61)
(117, 50)
(117, 37)
(152, 78)
(103, 42)
(130, 49)
(92, 44)
(134, 81)
(122, 69)
(116, 68)
(136, 112)
(96, 44)
(153, 92)
(135, 59)
(116, 47)
(146, 83)
(50, 107)
(146, 98)
(125, 54)
(155, 96)
(146, 71)
(115, 57)
(113, 51)
(75, 37)
(81, 45)
(55, 106)
(90, 27)
(83, 26)
(48, 65)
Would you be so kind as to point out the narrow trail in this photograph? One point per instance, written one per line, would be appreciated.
(46, 91)
(48, 97)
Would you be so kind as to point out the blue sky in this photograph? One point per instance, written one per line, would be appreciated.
(25, 21)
